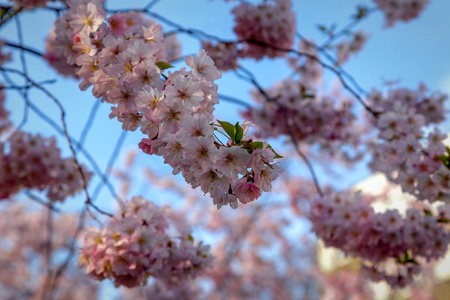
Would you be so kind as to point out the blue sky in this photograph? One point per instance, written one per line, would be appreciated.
(413, 52)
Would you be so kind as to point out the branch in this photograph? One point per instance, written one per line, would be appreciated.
(234, 100)
(253, 80)
(40, 201)
(111, 161)
(66, 134)
(23, 48)
(60, 271)
(347, 28)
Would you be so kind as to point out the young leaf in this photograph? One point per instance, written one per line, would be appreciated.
(239, 132)
(259, 145)
(229, 129)
(163, 65)
(276, 154)
(361, 13)
(427, 212)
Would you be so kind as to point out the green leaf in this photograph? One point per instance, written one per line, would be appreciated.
(361, 13)
(276, 154)
(258, 145)
(229, 129)
(412, 261)
(427, 212)
(163, 65)
(239, 132)
(322, 28)
(442, 158)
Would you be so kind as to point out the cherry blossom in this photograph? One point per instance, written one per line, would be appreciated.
(270, 24)
(175, 113)
(345, 221)
(399, 153)
(24, 250)
(33, 162)
(405, 10)
(135, 245)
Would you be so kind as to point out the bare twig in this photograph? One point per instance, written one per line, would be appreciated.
(346, 29)
(48, 252)
(111, 161)
(88, 124)
(66, 134)
(41, 201)
(61, 269)
(251, 78)
(234, 100)
(23, 48)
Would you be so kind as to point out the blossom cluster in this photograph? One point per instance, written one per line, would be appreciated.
(344, 284)
(309, 69)
(135, 245)
(347, 48)
(404, 152)
(265, 27)
(33, 162)
(24, 253)
(224, 55)
(305, 114)
(297, 107)
(124, 61)
(405, 10)
(345, 221)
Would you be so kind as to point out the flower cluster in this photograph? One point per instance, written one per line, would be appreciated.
(265, 27)
(124, 62)
(224, 55)
(260, 30)
(33, 162)
(395, 10)
(310, 118)
(344, 284)
(400, 154)
(309, 69)
(347, 48)
(172, 47)
(344, 221)
(54, 50)
(135, 245)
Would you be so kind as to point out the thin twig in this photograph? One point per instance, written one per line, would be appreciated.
(234, 100)
(48, 252)
(251, 78)
(88, 124)
(25, 70)
(111, 161)
(66, 134)
(203, 35)
(40, 201)
(23, 48)
(61, 269)
(347, 28)
(151, 4)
